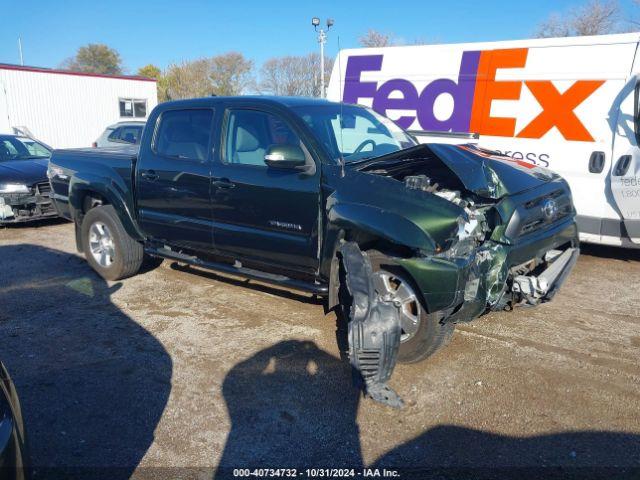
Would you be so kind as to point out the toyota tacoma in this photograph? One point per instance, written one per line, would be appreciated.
(333, 199)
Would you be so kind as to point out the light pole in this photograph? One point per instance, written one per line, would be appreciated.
(20, 51)
(322, 39)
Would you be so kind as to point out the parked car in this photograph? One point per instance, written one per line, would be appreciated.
(24, 186)
(13, 454)
(119, 134)
(304, 193)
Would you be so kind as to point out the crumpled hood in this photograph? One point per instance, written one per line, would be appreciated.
(27, 172)
(485, 173)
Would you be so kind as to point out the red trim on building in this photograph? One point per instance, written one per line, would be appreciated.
(6, 66)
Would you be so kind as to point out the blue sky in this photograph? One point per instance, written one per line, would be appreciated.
(162, 32)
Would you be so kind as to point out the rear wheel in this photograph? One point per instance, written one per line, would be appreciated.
(108, 247)
(422, 333)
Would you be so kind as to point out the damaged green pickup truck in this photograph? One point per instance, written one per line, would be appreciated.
(331, 199)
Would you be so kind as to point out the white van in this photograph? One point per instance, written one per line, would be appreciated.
(570, 104)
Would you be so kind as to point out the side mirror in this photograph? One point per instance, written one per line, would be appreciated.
(285, 156)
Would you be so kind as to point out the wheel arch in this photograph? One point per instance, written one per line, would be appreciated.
(367, 240)
(85, 195)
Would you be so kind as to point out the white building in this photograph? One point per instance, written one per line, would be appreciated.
(70, 109)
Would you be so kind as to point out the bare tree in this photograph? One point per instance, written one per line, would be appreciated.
(188, 79)
(230, 73)
(595, 18)
(226, 74)
(293, 75)
(374, 38)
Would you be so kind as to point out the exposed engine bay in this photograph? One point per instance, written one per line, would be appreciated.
(476, 223)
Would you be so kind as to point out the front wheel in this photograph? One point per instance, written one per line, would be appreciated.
(107, 246)
(422, 333)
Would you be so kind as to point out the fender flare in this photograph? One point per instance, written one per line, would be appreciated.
(112, 191)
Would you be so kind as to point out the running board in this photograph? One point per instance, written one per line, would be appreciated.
(274, 279)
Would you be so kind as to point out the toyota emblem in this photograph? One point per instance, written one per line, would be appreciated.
(550, 209)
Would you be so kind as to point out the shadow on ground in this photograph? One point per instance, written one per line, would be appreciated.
(44, 222)
(294, 406)
(616, 253)
(93, 384)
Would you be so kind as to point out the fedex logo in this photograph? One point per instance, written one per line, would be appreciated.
(473, 93)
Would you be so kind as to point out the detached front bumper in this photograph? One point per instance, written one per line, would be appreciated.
(465, 288)
(534, 289)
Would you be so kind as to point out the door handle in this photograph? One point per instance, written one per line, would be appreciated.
(150, 175)
(596, 162)
(223, 183)
(622, 167)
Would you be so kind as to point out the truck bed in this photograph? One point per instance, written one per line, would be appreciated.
(109, 171)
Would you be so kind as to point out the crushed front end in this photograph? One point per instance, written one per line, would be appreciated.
(516, 251)
(26, 204)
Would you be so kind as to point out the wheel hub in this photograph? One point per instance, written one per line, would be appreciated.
(101, 244)
(395, 289)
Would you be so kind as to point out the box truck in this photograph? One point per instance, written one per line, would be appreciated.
(569, 104)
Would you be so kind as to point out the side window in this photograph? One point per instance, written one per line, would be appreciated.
(10, 147)
(184, 134)
(36, 149)
(115, 135)
(250, 133)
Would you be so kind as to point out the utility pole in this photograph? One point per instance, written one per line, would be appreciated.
(20, 50)
(322, 39)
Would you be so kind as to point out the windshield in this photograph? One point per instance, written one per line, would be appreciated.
(21, 148)
(364, 133)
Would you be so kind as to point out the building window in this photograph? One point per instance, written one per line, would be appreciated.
(133, 108)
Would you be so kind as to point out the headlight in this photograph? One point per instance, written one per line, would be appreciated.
(13, 188)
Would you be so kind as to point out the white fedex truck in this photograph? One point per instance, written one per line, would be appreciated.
(570, 104)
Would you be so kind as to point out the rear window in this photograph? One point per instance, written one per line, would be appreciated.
(127, 134)
(184, 134)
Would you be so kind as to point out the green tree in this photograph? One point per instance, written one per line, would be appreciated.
(95, 58)
(151, 71)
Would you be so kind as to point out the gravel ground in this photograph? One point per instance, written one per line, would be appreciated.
(177, 372)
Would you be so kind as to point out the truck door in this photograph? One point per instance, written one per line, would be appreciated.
(173, 177)
(264, 214)
(625, 170)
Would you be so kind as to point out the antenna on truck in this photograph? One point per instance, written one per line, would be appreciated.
(341, 89)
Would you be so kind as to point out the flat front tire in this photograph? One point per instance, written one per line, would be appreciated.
(108, 248)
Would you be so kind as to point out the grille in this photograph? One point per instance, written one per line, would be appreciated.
(533, 217)
(530, 216)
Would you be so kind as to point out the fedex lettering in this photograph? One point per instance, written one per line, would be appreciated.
(473, 93)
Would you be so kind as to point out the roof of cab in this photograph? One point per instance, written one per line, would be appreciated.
(260, 99)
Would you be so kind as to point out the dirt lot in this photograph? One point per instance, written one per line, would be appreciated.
(172, 369)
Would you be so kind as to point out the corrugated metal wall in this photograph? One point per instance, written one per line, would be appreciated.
(67, 111)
